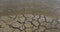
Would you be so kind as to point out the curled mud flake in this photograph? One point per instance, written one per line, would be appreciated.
(16, 30)
(28, 15)
(28, 30)
(36, 17)
(18, 16)
(28, 25)
(29, 19)
(16, 24)
(58, 26)
(12, 16)
(15, 27)
(6, 19)
(47, 30)
(22, 27)
(48, 25)
(48, 19)
(21, 19)
(34, 28)
(54, 23)
(35, 23)
(42, 28)
(58, 20)
(42, 19)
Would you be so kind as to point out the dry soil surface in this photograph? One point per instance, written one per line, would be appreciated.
(29, 23)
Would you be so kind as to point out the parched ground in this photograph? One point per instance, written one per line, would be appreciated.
(29, 23)
(29, 15)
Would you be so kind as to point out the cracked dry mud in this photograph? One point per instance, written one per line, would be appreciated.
(29, 23)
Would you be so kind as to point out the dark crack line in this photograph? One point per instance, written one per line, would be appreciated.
(21, 22)
(15, 27)
(33, 24)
